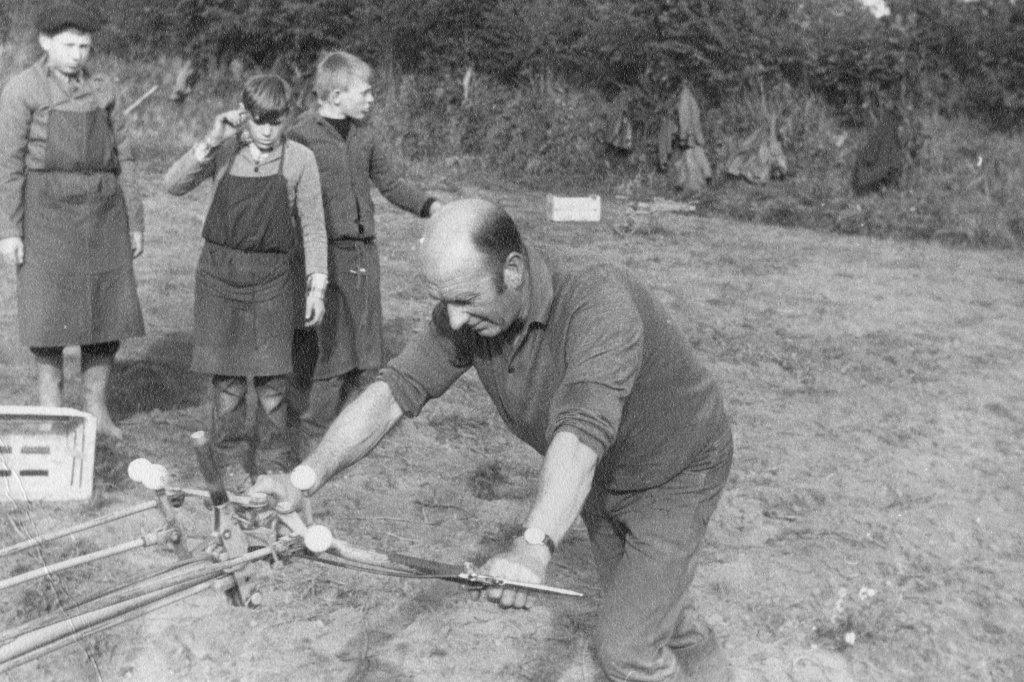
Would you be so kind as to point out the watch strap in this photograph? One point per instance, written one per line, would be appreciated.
(547, 540)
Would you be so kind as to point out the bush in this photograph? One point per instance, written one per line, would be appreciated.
(962, 188)
(542, 132)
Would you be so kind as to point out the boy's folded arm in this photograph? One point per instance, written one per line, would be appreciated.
(191, 168)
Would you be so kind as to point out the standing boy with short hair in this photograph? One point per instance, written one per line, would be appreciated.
(266, 209)
(70, 216)
(342, 356)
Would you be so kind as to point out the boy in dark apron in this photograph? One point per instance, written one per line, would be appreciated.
(266, 218)
(71, 220)
(340, 357)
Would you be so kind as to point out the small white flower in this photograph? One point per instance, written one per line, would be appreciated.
(850, 638)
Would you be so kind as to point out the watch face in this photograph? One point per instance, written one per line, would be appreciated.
(534, 536)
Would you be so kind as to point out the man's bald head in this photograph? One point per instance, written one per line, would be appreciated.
(468, 233)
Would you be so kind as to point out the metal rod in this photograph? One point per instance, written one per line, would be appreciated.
(257, 501)
(362, 556)
(54, 535)
(377, 569)
(24, 644)
(175, 576)
(159, 581)
(134, 105)
(24, 648)
(144, 541)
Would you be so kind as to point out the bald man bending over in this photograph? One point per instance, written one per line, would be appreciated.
(583, 365)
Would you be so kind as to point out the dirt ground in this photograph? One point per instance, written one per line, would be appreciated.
(871, 530)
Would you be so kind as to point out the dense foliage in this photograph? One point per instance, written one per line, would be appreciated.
(546, 71)
(966, 57)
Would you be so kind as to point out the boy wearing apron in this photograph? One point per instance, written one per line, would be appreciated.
(70, 216)
(265, 220)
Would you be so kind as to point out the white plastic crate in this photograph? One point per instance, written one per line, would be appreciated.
(46, 453)
(574, 209)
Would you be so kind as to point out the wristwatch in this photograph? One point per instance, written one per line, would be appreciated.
(535, 536)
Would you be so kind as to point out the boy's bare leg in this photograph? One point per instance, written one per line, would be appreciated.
(97, 361)
(49, 375)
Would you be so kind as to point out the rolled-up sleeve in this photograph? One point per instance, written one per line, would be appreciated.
(604, 349)
(15, 120)
(427, 367)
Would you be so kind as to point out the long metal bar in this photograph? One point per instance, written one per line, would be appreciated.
(99, 521)
(177, 575)
(43, 636)
(359, 555)
(28, 646)
(96, 629)
(257, 501)
(145, 541)
(333, 560)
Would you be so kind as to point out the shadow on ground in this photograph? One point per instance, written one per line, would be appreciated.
(161, 380)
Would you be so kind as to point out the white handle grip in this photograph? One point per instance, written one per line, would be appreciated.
(152, 476)
(199, 439)
(317, 539)
(303, 478)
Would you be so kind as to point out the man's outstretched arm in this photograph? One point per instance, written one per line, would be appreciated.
(352, 435)
(565, 480)
(355, 432)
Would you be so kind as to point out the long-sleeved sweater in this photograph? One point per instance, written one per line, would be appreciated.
(350, 167)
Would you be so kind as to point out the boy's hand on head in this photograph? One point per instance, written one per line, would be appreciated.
(13, 250)
(225, 125)
(138, 244)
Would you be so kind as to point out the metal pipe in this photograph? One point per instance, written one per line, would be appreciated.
(54, 535)
(332, 560)
(257, 501)
(38, 642)
(359, 555)
(145, 541)
(175, 576)
(21, 646)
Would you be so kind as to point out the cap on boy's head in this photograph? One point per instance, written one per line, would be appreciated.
(54, 17)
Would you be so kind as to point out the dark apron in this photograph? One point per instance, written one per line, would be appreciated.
(246, 291)
(351, 335)
(76, 285)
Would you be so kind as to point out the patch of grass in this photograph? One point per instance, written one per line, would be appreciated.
(110, 466)
(959, 189)
(495, 539)
(855, 617)
(643, 225)
(495, 480)
(456, 426)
